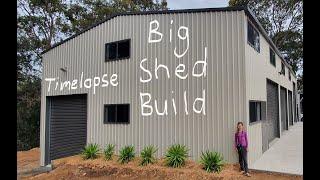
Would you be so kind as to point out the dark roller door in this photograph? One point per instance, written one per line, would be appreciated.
(270, 127)
(284, 117)
(67, 124)
(290, 108)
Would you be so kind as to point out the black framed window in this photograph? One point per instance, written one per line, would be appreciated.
(253, 37)
(116, 113)
(272, 57)
(255, 111)
(117, 50)
(289, 76)
(283, 69)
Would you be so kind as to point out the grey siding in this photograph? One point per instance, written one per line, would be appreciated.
(257, 69)
(225, 103)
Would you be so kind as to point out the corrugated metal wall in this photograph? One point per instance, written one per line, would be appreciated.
(257, 69)
(255, 142)
(225, 103)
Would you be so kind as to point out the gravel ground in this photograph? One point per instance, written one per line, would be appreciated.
(76, 168)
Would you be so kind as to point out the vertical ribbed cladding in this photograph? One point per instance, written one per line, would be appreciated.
(222, 80)
(193, 89)
(212, 83)
(222, 34)
(237, 24)
(232, 87)
(228, 68)
(255, 133)
(215, 91)
(101, 54)
(244, 110)
(208, 82)
(97, 49)
(224, 83)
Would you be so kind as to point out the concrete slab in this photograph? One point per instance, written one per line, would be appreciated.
(285, 155)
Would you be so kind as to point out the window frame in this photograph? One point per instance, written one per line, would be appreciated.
(257, 119)
(272, 58)
(117, 54)
(283, 69)
(289, 76)
(105, 118)
(258, 35)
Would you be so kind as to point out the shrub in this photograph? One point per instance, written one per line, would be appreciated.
(211, 161)
(148, 155)
(90, 151)
(109, 151)
(126, 154)
(176, 155)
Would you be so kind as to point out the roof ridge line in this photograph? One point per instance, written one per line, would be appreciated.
(111, 16)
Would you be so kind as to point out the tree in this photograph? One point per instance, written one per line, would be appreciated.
(84, 13)
(283, 21)
(39, 26)
(28, 113)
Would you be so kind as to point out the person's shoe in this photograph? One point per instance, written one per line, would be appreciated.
(242, 171)
(247, 174)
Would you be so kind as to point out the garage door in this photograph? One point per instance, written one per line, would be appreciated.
(270, 127)
(284, 117)
(67, 125)
(290, 108)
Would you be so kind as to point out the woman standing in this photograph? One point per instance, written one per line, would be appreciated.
(241, 143)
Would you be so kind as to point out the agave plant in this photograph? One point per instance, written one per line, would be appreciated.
(148, 155)
(211, 161)
(109, 151)
(126, 154)
(176, 155)
(90, 151)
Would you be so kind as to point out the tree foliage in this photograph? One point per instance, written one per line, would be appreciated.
(42, 23)
(39, 25)
(28, 113)
(283, 21)
(84, 13)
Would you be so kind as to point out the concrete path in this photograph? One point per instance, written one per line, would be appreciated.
(285, 155)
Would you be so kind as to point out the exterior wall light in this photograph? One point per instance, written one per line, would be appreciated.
(64, 69)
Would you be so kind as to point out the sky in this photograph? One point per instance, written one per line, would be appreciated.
(193, 4)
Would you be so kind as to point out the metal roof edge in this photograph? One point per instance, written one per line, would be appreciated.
(236, 8)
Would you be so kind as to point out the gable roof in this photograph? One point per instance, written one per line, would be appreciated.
(247, 11)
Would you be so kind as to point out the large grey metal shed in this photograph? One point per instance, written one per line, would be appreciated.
(165, 77)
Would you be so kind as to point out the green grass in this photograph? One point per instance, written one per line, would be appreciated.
(90, 151)
(126, 154)
(148, 155)
(109, 151)
(176, 155)
(211, 161)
